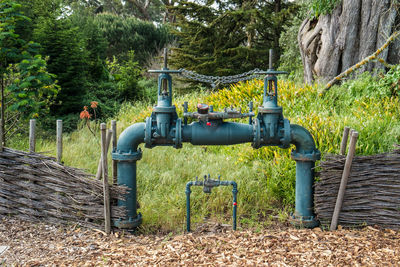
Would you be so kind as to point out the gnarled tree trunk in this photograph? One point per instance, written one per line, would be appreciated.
(354, 30)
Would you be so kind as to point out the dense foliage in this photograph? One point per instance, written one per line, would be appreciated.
(27, 89)
(124, 34)
(228, 37)
(322, 7)
(95, 56)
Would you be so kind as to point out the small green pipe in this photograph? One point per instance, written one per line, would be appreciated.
(219, 183)
(188, 191)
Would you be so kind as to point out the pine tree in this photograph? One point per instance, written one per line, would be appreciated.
(67, 59)
(228, 37)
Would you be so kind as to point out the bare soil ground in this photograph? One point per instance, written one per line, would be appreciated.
(45, 245)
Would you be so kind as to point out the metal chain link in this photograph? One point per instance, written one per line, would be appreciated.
(215, 80)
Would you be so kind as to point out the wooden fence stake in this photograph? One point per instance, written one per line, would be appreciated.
(99, 166)
(114, 147)
(343, 182)
(343, 145)
(106, 189)
(59, 141)
(32, 135)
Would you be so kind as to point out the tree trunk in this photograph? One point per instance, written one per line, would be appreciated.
(354, 30)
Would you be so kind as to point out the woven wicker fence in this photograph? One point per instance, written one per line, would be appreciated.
(35, 187)
(372, 195)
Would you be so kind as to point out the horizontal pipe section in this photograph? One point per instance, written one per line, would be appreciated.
(218, 133)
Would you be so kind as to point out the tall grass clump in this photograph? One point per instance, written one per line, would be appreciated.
(266, 176)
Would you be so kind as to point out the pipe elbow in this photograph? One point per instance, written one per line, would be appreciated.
(304, 142)
(188, 185)
(131, 137)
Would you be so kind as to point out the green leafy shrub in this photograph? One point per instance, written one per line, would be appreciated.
(322, 7)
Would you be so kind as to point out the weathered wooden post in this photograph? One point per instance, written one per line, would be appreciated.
(99, 166)
(114, 147)
(343, 182)
(32, 135)
(343, 145)
(59, 141)
(106, 190)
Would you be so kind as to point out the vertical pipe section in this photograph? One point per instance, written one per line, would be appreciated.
(188, 191)
(305, 156)
(59, 141)
(126, 155)
(234, 212)
(32, 135)
(304, 189)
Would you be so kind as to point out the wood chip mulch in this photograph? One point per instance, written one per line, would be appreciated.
(44, 245)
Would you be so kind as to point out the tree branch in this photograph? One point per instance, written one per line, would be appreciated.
(362, 62)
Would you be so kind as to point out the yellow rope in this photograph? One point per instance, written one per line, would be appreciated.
(362, 62)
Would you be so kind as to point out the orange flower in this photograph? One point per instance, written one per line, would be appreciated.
(93, 104)
(85, 114)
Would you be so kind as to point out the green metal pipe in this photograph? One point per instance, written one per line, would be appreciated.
(302, 139)
(188, 191)
(127, 154)
(305, 156)
(217, 133)
(304, 189)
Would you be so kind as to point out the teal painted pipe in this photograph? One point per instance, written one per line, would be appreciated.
(219, 183)
(305, 156)
(127, 154)
(304, 189)
(302, 139)
(188, 191)
(217, 133)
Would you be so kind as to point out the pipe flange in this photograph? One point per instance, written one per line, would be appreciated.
(313, 156)
(170, 109)
(303, 221)
(178, 134)
(286, 134)
(129, 156)
(131, 223)
(147, 133)
(270, 110)
(256, 133)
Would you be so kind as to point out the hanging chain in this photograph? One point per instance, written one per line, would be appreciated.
(216, 80)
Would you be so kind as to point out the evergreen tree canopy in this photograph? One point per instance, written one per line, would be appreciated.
(228, 37)
(67, 59)
(125, 34)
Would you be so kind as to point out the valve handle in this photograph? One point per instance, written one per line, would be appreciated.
(165, 71)
(272, 72)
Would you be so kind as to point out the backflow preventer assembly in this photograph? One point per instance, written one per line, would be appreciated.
(268, 128)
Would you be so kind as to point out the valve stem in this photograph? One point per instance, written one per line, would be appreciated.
(165, 82)
(271, 56)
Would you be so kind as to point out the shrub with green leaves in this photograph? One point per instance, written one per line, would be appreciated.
(323, 7)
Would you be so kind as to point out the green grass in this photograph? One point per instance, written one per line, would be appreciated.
(266, 176)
